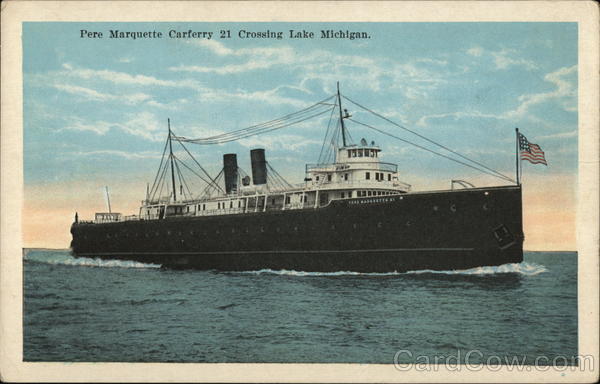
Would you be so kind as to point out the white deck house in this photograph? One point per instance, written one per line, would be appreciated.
(356, 172)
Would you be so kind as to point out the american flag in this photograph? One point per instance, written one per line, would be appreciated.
(531, 152)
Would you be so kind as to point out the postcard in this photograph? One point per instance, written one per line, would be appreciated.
(299, 191)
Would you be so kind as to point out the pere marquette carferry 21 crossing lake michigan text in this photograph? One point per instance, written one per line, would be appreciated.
(225, 34)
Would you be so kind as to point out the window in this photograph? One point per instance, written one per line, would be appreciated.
(372, 153)
(317, 178)
(272, 201)
(231, 204)
(389, 177)
(376, 153)
(369, 193)
(354, 153)
(368, 175)
(360, 153)
(239, 203)
(329, 177)
(346, 176)
(287, 199)
(343, 195)
(349, 153)
(204, 207)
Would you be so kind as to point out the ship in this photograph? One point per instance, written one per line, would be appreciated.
(352, 212)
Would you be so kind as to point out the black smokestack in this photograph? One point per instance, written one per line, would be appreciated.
(259, 166)
(230, 169)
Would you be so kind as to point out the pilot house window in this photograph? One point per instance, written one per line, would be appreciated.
(368, 175)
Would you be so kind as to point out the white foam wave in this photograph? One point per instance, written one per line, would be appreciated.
(302, 273)
(63, 259)
(524, 268)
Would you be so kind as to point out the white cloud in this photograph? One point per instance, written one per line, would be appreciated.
(124, 154)
(125, 60)
(126, 78)
(565, 93)
(144, 125)
(561, 135)
(260, 58)
(475, 51)
(503, 60)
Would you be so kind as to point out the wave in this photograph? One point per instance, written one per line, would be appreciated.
(61, 258)
(524, 268)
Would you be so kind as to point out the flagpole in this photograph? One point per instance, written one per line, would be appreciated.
(517, 155)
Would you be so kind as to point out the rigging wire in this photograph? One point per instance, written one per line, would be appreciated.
(182, 179)
(251, 133)
(162, 158)
(500, 175)
(429, 150)
(285, 121)
(267, 123)
(326, 133)
(197, 163)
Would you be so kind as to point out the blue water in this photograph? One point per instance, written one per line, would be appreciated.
(93, 310)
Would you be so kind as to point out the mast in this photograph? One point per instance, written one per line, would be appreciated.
(107, 198)
(341, 116)
(171, 157)
(517, 155)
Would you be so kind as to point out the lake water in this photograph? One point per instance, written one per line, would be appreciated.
(93, 310)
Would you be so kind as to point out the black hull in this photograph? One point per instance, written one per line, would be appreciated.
(434, 230)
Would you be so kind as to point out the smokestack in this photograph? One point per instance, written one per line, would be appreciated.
(230, 169)
(259, 166)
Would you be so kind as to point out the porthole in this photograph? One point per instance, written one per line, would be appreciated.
(486, 193)
(435, 208)
(262, 229)
(379, 225)
(157, 233)
(333, 226)
(401, 197)
(277, 229)
(168, 233)
(232, 230)
(485, 207)
(295, 229)
(408, 223)
(217, 231)
(192, 233)
(246, 230)
(453, 208)
(354, 225)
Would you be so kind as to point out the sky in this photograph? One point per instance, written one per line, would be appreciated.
(96, 109)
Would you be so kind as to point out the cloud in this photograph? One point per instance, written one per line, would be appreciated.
(475, 51)
(144, 125)
(503, 59)
(91, 94)
(561, 135)
(124, 154)
(126, 78)
(125, 60)
(565, 93)
(259, 58)
(411, 77)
